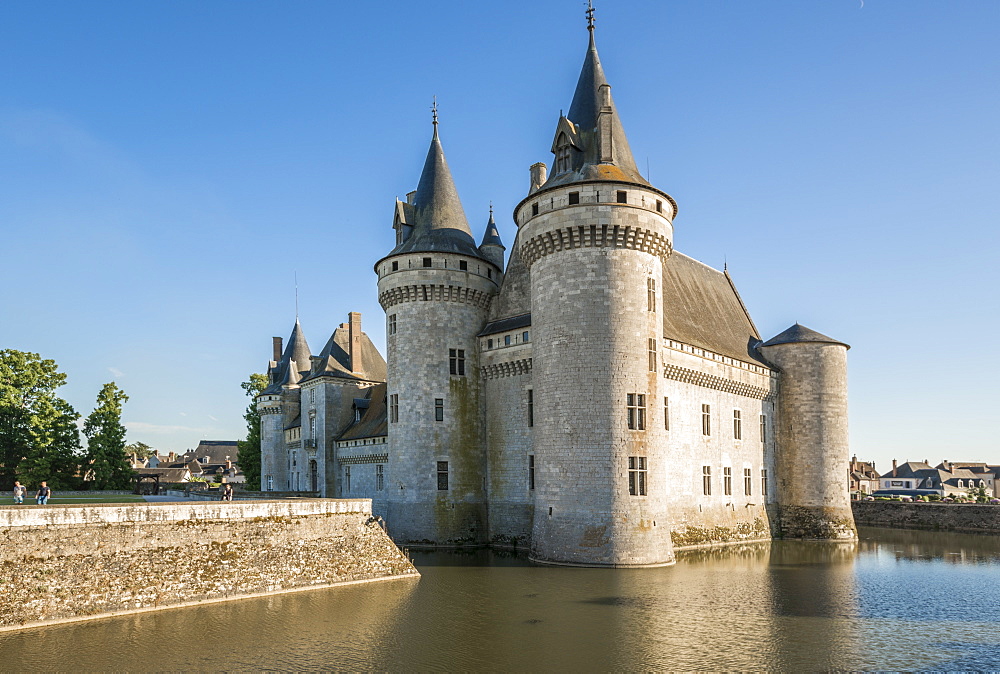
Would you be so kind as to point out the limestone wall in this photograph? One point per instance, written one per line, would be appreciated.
(966, 517)
(75, 562)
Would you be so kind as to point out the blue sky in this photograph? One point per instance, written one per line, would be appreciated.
(167, 168)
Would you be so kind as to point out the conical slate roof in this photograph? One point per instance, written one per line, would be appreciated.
(584, 111)
(491, 237)
(296, 358)
(439, 222)
(800, 333)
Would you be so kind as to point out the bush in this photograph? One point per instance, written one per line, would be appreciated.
(933, 497)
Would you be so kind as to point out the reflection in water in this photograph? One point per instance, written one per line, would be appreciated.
(895, 600)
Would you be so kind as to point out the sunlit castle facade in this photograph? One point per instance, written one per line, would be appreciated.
(600, 399)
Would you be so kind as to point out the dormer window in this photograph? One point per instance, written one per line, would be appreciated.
(563, 154)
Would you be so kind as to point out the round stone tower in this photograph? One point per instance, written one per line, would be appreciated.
(435, 287)
(279, 405)
(594, 235)
(812, 452)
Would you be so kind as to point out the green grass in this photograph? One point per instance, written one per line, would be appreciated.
(111, 498)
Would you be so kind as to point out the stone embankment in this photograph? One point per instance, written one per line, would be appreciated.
(74, 562)
(965, 517)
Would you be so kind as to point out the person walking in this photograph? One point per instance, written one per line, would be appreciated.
(19, 491)
(42, 497)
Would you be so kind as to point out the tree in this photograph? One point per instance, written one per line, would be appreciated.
(106, 440)
(39, 439)
(140, 449)
(249, 449)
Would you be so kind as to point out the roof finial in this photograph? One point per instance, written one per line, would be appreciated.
(590, 15)
(296, 297)
(491, 208)
(434, 112)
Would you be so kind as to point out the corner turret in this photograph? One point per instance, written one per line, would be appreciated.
(492, 247)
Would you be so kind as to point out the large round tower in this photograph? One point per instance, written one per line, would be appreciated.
(594, 235)
(435, 287)
(812, 453)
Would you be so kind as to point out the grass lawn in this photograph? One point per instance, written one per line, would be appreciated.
(111, 498)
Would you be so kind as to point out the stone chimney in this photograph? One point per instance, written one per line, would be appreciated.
(354, 335)
(538, 176)
(894, 467)
(276, 348)
(854, 463)
(605, 140)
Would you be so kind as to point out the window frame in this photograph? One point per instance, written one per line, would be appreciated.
(635, 404)
(706, 420)
(638, 476)
(442, 476)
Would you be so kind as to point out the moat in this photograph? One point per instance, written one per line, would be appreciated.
(898, 600)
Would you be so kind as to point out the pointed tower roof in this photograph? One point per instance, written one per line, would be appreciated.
(491, 237)
(800, 333)
(592, 101)
(296, 358)
(439, 222)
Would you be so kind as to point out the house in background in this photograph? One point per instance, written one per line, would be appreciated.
(948, 478)
(862, 477)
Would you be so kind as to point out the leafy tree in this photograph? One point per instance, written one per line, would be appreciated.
(249, 449)
(39, 439)
(106, 440)
(140, 449)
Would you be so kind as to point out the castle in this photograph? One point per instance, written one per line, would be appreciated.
(601, 400)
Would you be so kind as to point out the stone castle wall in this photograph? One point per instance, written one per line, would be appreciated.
(75, 562)
(965, 517)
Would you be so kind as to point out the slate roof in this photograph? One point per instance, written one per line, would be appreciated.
(438, 219)
(514, 297)
(800, 333)
(296, 359)
(491, 237)
(512, 323)
(374, 419)
(581, 125)
(167, 474)
(705, 310)
(334, 360)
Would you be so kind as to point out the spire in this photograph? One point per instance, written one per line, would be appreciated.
(436, 205)
(491, 237)
(297, 349)
(597, 146)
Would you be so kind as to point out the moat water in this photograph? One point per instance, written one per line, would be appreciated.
(898, 600)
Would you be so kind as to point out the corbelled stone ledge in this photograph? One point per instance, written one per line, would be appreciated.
(76, 562)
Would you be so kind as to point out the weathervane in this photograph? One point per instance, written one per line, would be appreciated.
(590, 15)
(434, 111)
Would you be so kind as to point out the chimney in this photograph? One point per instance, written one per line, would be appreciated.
(171, 456)
(229, 464)
(854, 463)
(276, 347)
(894, 467)
(538, 176)
(354, 335)
(604, 136)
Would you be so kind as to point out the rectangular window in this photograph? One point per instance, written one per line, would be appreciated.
(763, 429)
(706, 419)
(489, 273)
(531, 408)
(427, 262)
(666, 413)
(270, 483)
(395, 266)
(651, 346)
(737, 425)
(636, 403)
(439, 409)
(392, 324)
(574, 198)
(622, 197)
(763, 482)
(379, 477)
(637, 475)
(524, 336)
(456, 362)
(659, 206)
(463, 265)
(747, 482)
(442, 473)
(727, 481)
(347, 479)
(706, 480)
(534, 208)
(489, 343)
(506, 340)
(531, 471)
(651, 295)
(394, 408)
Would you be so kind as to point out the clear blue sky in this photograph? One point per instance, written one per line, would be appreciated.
(166, 168)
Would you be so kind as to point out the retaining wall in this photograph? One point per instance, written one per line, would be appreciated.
(81, 561)
(967, 517)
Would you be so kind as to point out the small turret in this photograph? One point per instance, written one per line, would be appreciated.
(492, 247)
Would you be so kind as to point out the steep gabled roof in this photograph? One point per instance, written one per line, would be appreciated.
(701, 307)
(295, 359)
(373, 423)
(334, 360)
